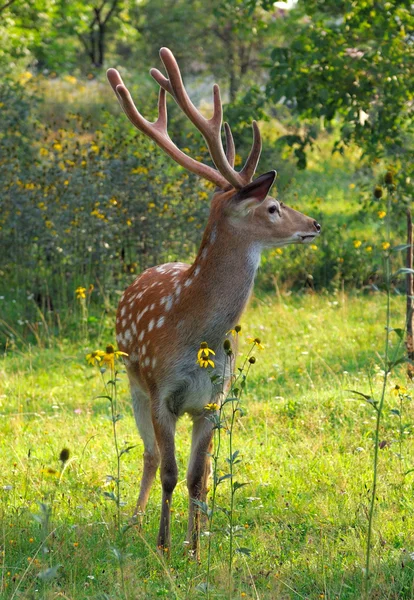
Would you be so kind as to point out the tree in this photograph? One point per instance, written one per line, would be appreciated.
(352, 60)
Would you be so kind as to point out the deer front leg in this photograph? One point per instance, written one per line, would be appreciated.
(164, 432)
(142, 412)
(197, 478)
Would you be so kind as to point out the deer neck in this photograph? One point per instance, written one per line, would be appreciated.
(222, 278)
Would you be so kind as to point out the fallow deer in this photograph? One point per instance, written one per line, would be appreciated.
(169, 310)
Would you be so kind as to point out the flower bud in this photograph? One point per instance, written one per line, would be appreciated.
(378, 191)
(252, 360)
(389, 177)
(227, 346)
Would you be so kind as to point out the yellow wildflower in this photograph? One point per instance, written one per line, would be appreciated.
(212, 406)
(80, 293)
(381, 214)
(205, 362)
(398, 390)
(139, 170)
(204, 351)
(110, 354)
(49, 472)
(257, 342)
(313, 247)
(235, 331)
(368, 248)
(385, 245)
(70, 79)
(94, 357)
(357, 243)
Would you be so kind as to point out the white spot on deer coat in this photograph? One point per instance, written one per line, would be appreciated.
(151, 325)
(160, 322)
(188, 282)
(169, 303)
(141, 335)
(128, 335)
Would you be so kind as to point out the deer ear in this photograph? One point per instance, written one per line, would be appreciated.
(254, 193)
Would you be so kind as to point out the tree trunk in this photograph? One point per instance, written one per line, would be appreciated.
(410, 296)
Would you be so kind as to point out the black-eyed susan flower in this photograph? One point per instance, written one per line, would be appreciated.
(213, 406)
(80, 293)
(235, 331)
(398, 390)
(110, 355)
(95, 357)
(205, 362)
(257, 342)
(204, 351)
(385, 245)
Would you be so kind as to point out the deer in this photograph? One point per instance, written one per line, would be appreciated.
(170, 309)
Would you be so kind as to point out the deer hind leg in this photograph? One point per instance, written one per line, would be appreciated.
(164, 427)
(197, 478)
(142, 412)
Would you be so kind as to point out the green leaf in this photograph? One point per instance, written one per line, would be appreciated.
(202, 587)
(127, 449)
(111, 496)
(224, 477)
(237, 486)
(366, 398)
(405, 271)
(401, 247)
(245, 551)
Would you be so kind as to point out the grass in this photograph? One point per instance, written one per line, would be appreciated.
(307, 448)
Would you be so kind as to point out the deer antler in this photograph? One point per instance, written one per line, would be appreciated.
(210, 128)
(226, 175)
(157, 131)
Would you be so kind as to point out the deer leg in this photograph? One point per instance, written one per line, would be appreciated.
(142, 412)
(197, 477)
(164, 432)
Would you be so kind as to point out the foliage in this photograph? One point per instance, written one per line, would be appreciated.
(351, 60)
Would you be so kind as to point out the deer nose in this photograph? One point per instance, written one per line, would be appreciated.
(317, 226)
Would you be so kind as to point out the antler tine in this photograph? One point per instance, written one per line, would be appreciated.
(230, 149)
(157, 131)
(210, 128)
(250, 165)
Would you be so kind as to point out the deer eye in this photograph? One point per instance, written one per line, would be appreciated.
(274, 208)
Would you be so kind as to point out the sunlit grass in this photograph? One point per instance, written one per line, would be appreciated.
(306, 444)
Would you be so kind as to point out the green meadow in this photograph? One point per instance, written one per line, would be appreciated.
(306, 443)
